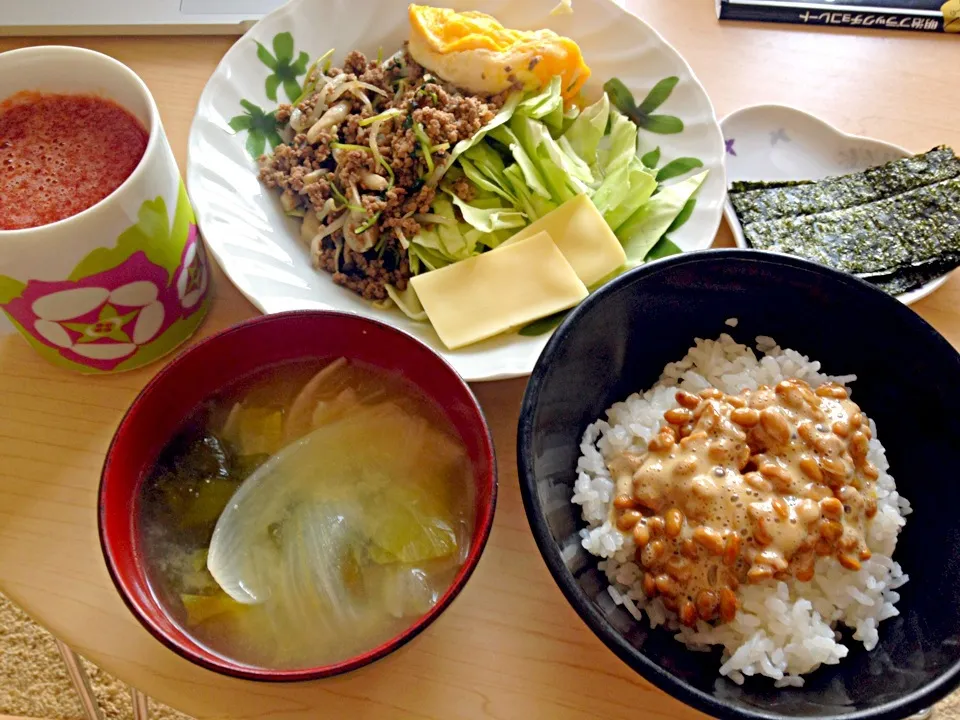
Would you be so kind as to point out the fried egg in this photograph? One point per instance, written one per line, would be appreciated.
(476, 53)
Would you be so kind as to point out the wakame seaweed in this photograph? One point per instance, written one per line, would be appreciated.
(754, 202)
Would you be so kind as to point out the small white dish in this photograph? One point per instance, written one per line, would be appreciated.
(778, 142)
(259, 248)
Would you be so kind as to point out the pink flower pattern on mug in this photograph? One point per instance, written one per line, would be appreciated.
(103, 319)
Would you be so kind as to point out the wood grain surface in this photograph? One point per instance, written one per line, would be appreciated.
(510, 647)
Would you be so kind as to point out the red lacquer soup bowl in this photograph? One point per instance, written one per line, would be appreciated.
(213, 365)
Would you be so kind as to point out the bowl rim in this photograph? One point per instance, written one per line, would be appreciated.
(230, 668)
(666, 681)
(154, 130)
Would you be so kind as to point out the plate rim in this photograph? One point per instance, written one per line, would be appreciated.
(712, 127)
(736, 229)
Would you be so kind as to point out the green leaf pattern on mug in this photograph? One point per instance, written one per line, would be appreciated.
(160, 241)
(10, 289)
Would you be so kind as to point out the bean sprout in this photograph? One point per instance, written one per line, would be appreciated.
(335, 115)
(327, 230)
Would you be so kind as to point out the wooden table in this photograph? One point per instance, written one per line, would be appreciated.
(510, 647)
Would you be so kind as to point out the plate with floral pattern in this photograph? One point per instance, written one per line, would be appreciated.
(779, 142)
(259, 248)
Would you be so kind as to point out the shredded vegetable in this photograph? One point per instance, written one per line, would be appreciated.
(322, 62)
(375, 149)
(355, 85)
(433, 219)
(424, 145)
(535, 153)
(343, 201)
(326, 231)
(348, 146)
(522, 167)
(370, 222)
(385, 115)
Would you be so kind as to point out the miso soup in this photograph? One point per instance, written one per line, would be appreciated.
(356, 513)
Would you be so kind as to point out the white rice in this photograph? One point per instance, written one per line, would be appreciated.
(783, 629)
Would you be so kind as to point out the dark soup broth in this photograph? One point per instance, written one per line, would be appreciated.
(355, 514)
(61, 154)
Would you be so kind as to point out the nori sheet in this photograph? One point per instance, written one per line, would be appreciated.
(755, 202)
(740, 186)
(908, 230)
(907, 279)
(895, 225)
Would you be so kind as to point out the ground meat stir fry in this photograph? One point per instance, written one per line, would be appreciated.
(358, 163)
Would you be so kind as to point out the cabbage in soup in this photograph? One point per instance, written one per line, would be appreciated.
(355, 514)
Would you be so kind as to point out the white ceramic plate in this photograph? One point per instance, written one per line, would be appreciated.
(258, 247)
(778, 142)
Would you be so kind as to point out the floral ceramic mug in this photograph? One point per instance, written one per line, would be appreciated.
(123, 282)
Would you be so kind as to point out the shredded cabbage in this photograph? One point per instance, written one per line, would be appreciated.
(483, 182)
(506, 112)
(623, 193)
(621, 143)
(408, 302)
(641, 231)
(531, 174)
(588, 128)
(534, 156)
(547, 106)
(488, 220)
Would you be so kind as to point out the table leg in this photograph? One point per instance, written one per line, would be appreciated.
(141, 705)
(81, 683)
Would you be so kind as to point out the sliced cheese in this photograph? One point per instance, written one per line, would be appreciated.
(583, 236)
(482, 296)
